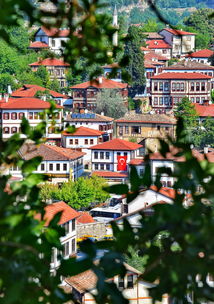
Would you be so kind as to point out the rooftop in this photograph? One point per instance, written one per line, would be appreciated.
(117, 145)
(38, 45)
(83, 131)
(55, 32)
(178, 75)
(110, 174)
(189, 65)
(177, 32)
(84, 218)
(158, 44)
(147, 118)
(26, 103)
(202, 53)
(154, 56)
(50, 62)
(204, 110)
(101, 83)
(48, 152)
(85, 118)
(153, 35)
(30, 90)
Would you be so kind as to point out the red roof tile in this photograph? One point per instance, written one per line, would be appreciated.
(117, 145)
(106, 84)
(154, 56)
(158, 44)
(83, 131)
(30, 90)
(169, 192)
(177, 32)
(26, 103)
(181, 76)
(67, 215)
(202, 53)
(85, 218)
(38, 45)
(109, 174)
(50, 62)
(204, 110)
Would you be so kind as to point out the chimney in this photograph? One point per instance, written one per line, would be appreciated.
(6, 97)
(9, 90)
(100, 79)
(102, 113)
(206, 150)
(43, 97)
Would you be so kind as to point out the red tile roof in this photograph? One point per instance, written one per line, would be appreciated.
(204, 110)
(50, 62)
(202, 53)
(26, 103)
(85, 218)
(38, 45)
(106, 84)
(30, 90)
(110, 174)
(169, 192)
(48, 152)
(84, 131)
(177, 32)
(67, 215)
(110, 66)
(55, 32)
(158, 44)
(181, 76)
(117, 145)
(154, 56)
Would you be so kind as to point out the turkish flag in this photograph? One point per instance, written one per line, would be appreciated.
(121, 163)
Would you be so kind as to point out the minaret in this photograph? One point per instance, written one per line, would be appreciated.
(115, 24)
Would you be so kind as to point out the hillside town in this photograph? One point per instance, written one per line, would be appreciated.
(102, 128)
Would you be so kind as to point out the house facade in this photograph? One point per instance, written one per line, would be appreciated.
(85, 94)
(201, 56)
(182, 42)
(167, 89)
(91, 120)
(12, 111)
(160, 47)
(145, 128)
(56, 68)
(59, 164)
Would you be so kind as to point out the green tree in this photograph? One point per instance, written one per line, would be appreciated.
(204, 134)
(135, 65)
(53, 85)
(6, 80)
(47, 192)
(111, 103)
(186, 110)
(43, 74)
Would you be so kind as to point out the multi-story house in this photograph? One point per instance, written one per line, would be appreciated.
(38, 46)
(14, 109)
(109, 159)
(33, 90)
(204, 111)
(56, 68)
(52, 37)
(59, 164)
(201, 56)
(160, 47)
(85, 94)
(68, 222)
(145, 128)
(182, 42)
(109, 68)
(82, 138)
(92, 121)
(167, 89)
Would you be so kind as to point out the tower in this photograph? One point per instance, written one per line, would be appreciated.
(115, 24)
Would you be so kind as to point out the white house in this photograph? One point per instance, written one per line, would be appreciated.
(201, 56)
(82, 139)
(59, 164)
(68, 222)
(14, 109)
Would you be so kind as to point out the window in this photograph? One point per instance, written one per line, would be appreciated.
(160, 86)
(66, 249)
(71, 141)
(86, 141)
(14, 130)
(6, 130)
(120, 130)
(136, 130)
(6, 115)
(125, 153)
(130, 283)
(177, 86)
(175, 100)
(101, 166)
(73, 225)
(107, 155)
(96, 155)
(192, 86)
(155, 86)
(120, 282)
(96, 167)
(192, 99)
(76, 141)
(51, 167)
(101, 155)
(42, 167)
(14, 115)
(21, 114)
(91, 141)
(126, 129)
(169, 184)
(64, 167)
(30, 116)
(182, 86)
(173, 86)
(197, 99)
(141, 172)
(57, 167)
(161, 100)
(197, 86)
(73, 245)
(53, 42)
(118, 153)
(107, 167)
(166, 100)
(166, 86)
(203, 86)
(36, 115)
(155, 100)
(66, 227)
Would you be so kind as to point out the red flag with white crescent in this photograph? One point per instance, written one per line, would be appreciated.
(121, 163)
